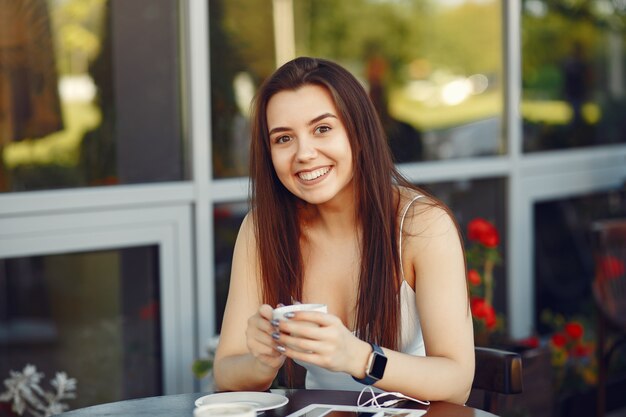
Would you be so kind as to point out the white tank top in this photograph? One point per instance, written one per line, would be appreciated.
(411, 341)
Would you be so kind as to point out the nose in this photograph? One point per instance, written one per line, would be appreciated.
(306, 149)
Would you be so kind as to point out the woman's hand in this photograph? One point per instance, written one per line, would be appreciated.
(323, 340)
(259, 339)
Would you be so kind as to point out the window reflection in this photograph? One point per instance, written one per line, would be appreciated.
(89, 93)
(93, 315)
(564, 265)
(433, 69)
(227, 220)
(573, 74)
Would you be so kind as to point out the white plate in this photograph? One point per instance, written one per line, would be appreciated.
(259, 400)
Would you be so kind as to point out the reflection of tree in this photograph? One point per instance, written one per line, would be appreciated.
(448, 37)
(555, 72)
(29, 100)
(239, 42)
(547, 37)
(77, 27)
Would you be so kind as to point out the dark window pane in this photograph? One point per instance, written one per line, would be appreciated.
(90, 93)
(95, 316)
(563, 257)
(573, 77)
(432, 69)
(227, 220)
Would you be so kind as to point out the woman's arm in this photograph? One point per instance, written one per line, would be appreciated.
(435, 253)
(433, 260)
(246, 357)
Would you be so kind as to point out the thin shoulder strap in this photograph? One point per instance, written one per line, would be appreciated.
(406, 209)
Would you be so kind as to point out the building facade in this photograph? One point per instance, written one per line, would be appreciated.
(123, 177)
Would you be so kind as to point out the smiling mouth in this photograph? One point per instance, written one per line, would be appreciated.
(313, 175)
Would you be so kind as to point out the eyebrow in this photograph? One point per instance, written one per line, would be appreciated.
(312, 122)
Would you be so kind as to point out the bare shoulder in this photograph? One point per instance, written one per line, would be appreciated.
(424, 217)
(432, 251)
(247, 234)
(245, 257)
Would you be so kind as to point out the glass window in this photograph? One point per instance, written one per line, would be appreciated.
(227, 220)
(89, 93)
(433, 68)
(93, 315)
(573, 56)
(563, 258)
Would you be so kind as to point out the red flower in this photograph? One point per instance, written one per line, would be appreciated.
(531, 342)
(581, 351)
(611, 267)
(484, 232)
(559, 340)
(490, 318)
(473, 277)
(574, 330)
(477, 305)
(483, 311)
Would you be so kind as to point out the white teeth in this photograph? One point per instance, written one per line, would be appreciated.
(311, 175)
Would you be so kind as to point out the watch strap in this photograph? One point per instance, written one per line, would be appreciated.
(369, 379)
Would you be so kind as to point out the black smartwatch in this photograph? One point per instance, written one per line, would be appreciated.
(375, 368)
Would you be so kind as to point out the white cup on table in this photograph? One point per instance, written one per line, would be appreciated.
(225, 410)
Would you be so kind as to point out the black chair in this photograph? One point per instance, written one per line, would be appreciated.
(497, 372)
(609, 293)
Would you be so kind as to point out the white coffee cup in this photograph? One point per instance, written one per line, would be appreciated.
(279, 313)
(225, 410)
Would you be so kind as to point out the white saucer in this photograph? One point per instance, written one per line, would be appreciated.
(259, 400)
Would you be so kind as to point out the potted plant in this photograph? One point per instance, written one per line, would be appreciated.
(202, 367)
(483, 255)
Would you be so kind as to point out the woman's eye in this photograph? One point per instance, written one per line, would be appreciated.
(322, 129)
(282, 139)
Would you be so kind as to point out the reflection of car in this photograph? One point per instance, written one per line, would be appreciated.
(482, 137)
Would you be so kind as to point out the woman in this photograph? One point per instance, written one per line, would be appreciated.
(333, 222)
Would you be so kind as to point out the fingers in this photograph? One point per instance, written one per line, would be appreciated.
(259, 338)
(318, 338)
(265, 311)
(317, 317)
(299, 342)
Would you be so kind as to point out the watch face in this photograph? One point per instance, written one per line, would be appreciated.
(378, 365)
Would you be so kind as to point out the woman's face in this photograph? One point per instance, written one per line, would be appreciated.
(309, 145)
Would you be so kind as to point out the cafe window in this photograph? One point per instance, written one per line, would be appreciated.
(573, 77)
(94, 315)
(564, 265)
(432, 68)
(90, 93)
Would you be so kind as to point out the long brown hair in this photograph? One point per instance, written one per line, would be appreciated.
(375, 177)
